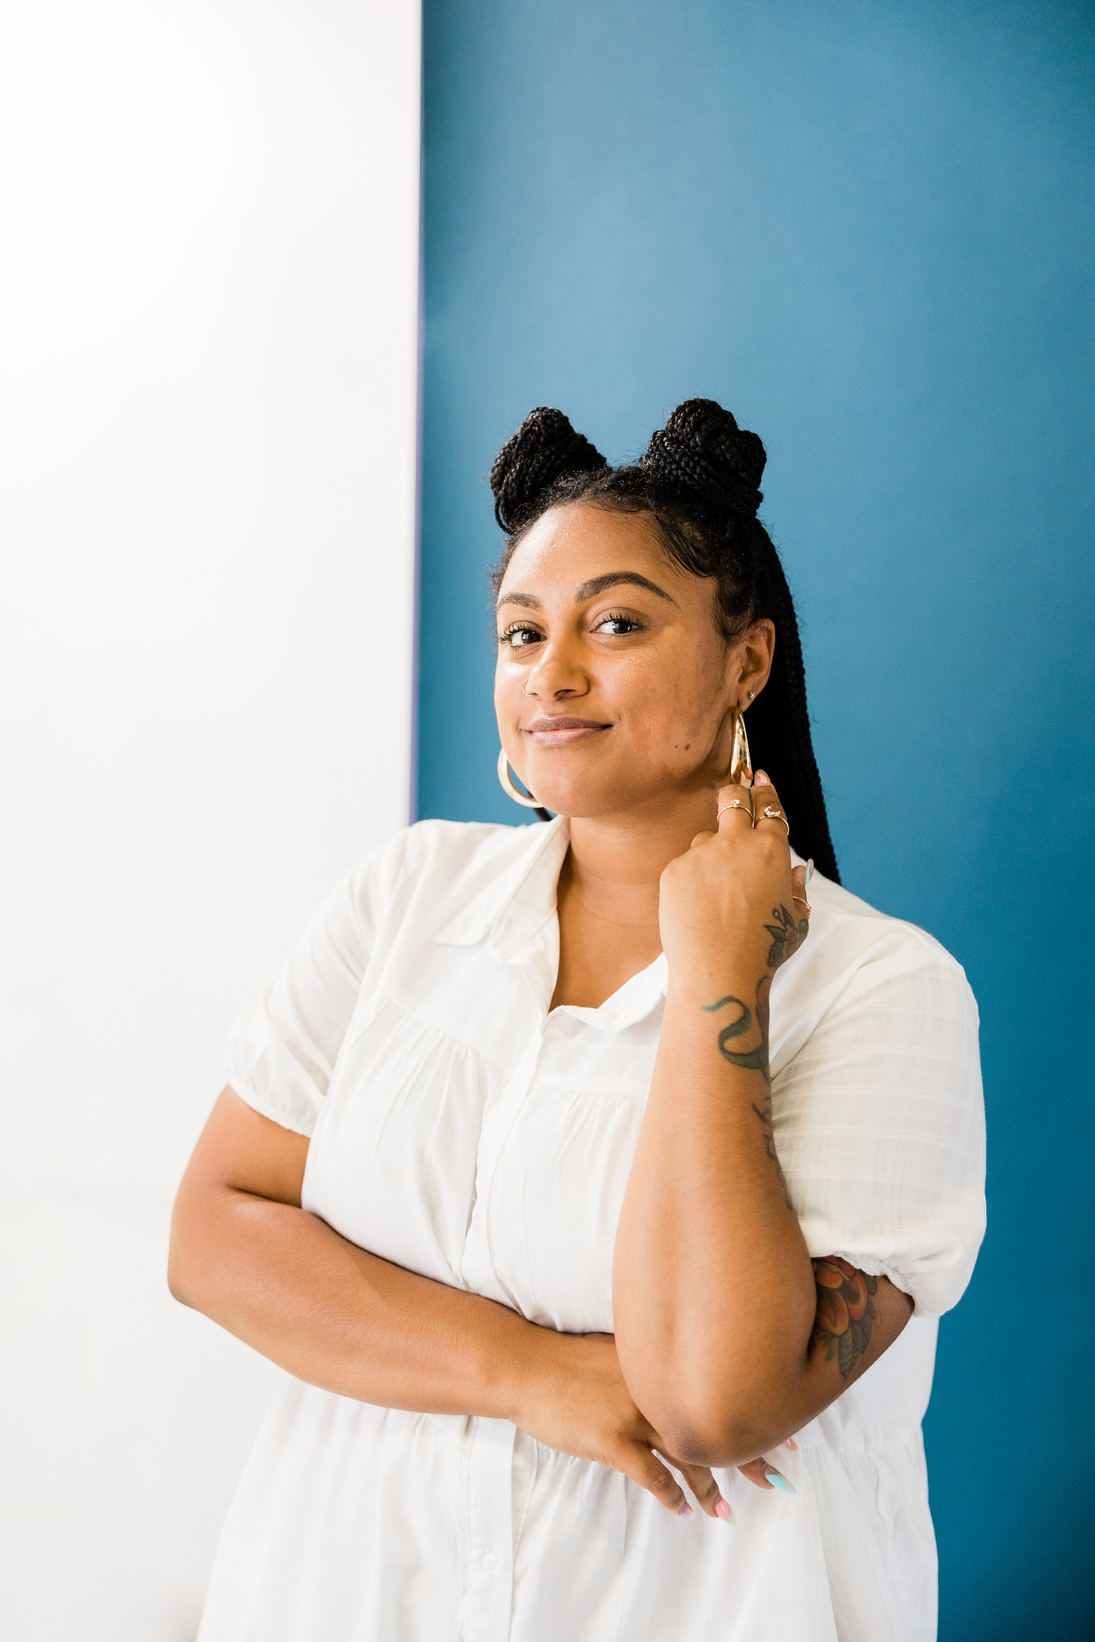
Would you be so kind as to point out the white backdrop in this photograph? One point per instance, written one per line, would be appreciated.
(208, 378)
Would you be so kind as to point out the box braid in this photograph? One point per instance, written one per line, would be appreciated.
(699, 479)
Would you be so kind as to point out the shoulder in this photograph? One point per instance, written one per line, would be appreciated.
(462, 856)
(865, 973)
(847, 935)
(434, 870)
(467, 845)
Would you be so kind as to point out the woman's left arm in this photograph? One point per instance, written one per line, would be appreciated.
(730, 1338)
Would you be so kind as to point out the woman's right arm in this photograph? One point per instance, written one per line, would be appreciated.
(245, 1253)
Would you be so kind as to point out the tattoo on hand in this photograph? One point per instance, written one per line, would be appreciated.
(845, 1312)
(787, 936)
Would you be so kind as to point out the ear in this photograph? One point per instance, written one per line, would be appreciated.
(750, 660)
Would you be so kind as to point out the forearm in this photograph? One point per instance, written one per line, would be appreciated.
(338, 1317)
(713, 1290)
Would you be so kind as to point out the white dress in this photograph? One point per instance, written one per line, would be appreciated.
(463, 1129)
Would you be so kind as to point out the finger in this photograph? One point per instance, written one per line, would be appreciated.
(706, 1489)
(735, 809)
(767, 809)
(798, 893)
(763, 1475)
(776, 1479)
(755, 1472)
(643, 1466)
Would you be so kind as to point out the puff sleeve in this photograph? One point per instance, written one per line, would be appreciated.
(282, 1050)
(879, 1122)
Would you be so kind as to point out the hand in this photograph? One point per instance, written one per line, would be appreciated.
(733, 898)
(574, 1400)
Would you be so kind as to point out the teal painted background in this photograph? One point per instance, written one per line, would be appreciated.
(868, 229)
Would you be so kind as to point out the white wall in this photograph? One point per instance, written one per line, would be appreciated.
(208, 343)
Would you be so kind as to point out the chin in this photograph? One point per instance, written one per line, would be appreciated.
(579, 802)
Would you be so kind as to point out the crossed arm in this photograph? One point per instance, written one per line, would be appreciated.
(244, 1252)
(760, 1338)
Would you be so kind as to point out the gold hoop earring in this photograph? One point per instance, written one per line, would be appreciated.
(509, 789)
(741, 764)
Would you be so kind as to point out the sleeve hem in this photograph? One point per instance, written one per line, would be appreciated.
(882, 1268)
(286, 1120)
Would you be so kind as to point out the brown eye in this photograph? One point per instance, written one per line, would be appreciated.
(518, 637)
(617, 625)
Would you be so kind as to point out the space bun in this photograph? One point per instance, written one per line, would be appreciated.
(544, 448)
(703, 453)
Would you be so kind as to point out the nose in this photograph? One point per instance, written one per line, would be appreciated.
(556, 674)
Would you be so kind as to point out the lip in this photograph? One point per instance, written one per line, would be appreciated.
(559, 731)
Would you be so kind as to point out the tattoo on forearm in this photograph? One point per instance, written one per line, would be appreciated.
(845, 1312)
(764, 1114)
(753, 1060)
(787, 937)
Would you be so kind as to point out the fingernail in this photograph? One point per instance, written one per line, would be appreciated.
(722, 1509)
(761, 779)
(809, 869)
(792, 1445)
(778, 1480)
(686, 1510)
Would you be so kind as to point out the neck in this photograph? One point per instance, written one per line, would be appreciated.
(615, 862)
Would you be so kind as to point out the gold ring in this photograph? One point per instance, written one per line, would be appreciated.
(770, 814)
(734, 804)
(802, 899)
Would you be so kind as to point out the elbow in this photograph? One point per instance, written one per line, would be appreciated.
(719, 1408)
(187, 1256)
(722, 1437)
(179, 1285)
(198, 1239)
(723, 1424)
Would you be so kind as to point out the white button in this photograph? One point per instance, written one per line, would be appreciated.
(490, 1561)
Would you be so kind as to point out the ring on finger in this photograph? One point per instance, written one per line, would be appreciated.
(770, 813)
(735, 804)
(801, 899)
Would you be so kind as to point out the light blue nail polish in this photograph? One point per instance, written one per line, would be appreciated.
(778, 1480)
(809, 869)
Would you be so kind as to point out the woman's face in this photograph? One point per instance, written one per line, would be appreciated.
(614, 686)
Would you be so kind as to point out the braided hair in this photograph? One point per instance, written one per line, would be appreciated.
(699, 480)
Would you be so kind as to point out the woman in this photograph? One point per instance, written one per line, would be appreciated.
(563, 1184)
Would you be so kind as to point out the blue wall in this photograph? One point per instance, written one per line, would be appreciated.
(868, 230)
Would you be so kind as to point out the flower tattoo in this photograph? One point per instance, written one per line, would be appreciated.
(845, 1312)
(787, 935)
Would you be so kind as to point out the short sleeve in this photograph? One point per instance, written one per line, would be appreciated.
(879, 1123)
(281, 1051)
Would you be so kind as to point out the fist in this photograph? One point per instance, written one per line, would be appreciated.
(733, 903)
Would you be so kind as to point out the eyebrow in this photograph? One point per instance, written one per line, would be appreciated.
(590, 589)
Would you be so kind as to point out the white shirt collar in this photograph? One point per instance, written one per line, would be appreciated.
(511, 911)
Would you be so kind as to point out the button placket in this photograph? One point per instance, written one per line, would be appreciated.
(509, 1111)
(490, 1530)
